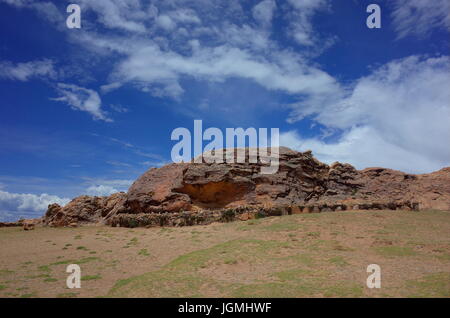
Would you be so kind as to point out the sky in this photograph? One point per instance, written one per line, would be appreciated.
(86, 111)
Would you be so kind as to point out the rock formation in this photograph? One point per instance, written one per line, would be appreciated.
(84, 210)
(201, 193)
(27, 224)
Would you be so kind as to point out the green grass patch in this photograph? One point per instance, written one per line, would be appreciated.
(313, 235)
(144, 252)
(433, 285)
(182, 276)
(444, 257)
(37, 276)
(285, 226)
(231, 261)
(5, 272)
(338, 260)
(44, 268)
(90, 277)
(392, 251)
(301, 259)
(73, 261)
(67, 295)
(344, 290)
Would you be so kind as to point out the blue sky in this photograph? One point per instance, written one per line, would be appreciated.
(86, 111)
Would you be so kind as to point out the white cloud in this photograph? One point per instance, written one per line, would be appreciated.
(184, 16)
(152, 67)
(165, 22)
(264, 11)
(419, 18)
(156, 164)
(210, 41)
(18, 205)
(47, 10)
(83, 99)
(28, 70)
(397, 117)
(101, 190)
(118, 163)
(214, 41)
(103, 187)
(118, 14)
(301, 26)
(110, 87)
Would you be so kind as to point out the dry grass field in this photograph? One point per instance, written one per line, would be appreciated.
(310, 255)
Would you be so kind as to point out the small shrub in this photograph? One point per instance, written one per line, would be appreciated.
(260, 214)
(228, 215)
(132, 223)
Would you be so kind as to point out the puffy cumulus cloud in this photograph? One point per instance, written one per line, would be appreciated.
(83, 99)
(17, 205)
(165, 22)
(419, 18)
(27, 70)
(396, 117)
(105, 187)
(101, 190)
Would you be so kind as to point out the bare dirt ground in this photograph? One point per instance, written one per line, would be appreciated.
(310, 255)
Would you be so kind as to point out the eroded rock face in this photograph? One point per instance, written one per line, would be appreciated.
(201, 193)
(185, 187)
(84, 210)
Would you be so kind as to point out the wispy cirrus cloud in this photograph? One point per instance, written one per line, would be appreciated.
(45, 9)
(83, 99)
(420, 18)
(301, 27)
(25, 71)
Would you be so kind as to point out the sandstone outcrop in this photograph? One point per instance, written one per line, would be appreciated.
(84, 210)
(201, 193)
